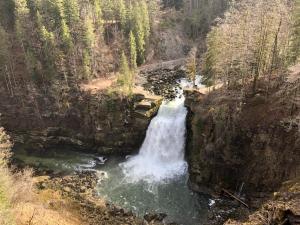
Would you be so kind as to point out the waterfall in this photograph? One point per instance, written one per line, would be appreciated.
(161, 156)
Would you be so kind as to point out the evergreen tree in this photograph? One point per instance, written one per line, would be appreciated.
(6, 71)
(130, 17)
(124, 68)
(4, 52)
(86, 64)
(200, 14)
(48, 46)
(66, 36)
(208, 70)
(173, 3)
(192, 68)
(146, 19)
(98, 14)
(108, 9)
(122, 14)
(125, 79)
(133, 56)
(7, 16)
(89, 36)
(32, 64)
(22, 15)
(53, 12)
(295, 42)
(32, 6)
(139, 32)
(71, 13)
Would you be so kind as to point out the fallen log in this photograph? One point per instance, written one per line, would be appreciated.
(234, 197)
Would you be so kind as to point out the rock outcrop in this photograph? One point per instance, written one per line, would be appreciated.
(102, 122)
(238, 142)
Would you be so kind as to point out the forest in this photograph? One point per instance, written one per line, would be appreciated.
(149, 112)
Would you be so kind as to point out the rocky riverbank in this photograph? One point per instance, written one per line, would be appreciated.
(79, 190)
(162, 82)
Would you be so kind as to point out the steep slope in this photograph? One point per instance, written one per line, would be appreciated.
(248, 142)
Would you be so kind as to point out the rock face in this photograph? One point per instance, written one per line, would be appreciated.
(104, 123)
(239, 141)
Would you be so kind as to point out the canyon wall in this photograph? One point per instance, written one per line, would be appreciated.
(103, 122)
(244, 141)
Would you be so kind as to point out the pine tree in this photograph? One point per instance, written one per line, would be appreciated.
(32, 64)
(7, 16)
(53, 12)
(48, 46)
(107, 9)
(192, 69)
(71, 13)
(208, 70)
(4, 52)
(124, 69)
(133, 56)
(139, 32)
(32, 6)
(98, 14)
(146, 19)
(89, 36)
(295, 42)
(130, 17)
(125, 79)
(22, 15)
(86, 64)
(66, 36)
(122, 14)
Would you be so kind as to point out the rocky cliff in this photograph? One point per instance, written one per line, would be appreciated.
(102, 122)
(240, 141)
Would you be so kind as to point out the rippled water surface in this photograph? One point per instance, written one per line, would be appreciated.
(172, 196)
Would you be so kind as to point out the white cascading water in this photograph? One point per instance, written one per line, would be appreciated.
(161, 156)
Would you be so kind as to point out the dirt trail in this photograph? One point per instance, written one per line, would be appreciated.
(99, 84)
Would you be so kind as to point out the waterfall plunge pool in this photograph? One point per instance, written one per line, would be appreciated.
(172, 196)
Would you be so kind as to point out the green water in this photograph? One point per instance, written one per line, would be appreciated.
(57, 160)
(172, 197)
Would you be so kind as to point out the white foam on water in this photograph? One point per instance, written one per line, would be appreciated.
(161, 156)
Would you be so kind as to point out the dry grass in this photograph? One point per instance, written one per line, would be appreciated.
(20, 204)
